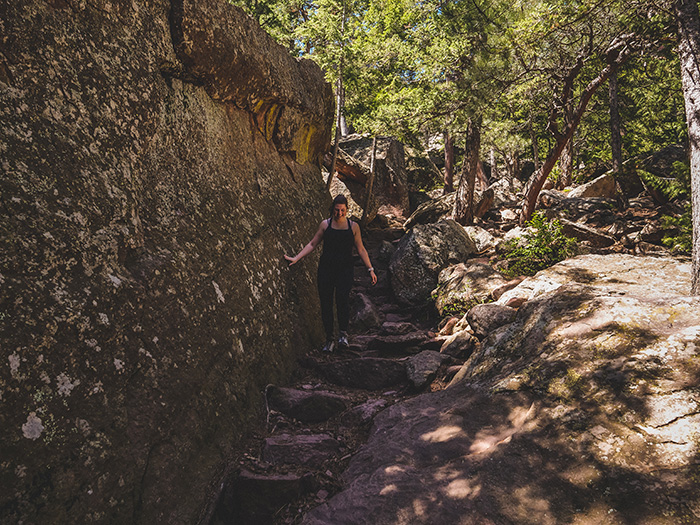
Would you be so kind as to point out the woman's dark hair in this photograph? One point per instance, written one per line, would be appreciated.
(339, 199)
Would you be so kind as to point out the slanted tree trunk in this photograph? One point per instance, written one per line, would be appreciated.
(449, 163)
(617, 54)
(535, 149)
(463, 211)
(689, 52)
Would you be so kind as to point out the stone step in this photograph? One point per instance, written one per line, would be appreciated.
(249, 497)
(368, 373)
(399, 344)
(311, 450)
(307, 406)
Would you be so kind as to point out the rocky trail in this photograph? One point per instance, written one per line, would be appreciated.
(315, 424)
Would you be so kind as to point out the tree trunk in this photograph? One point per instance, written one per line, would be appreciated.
(338, 115)
(535, 149)
(346, 127)
(566, 165)
(340, 102)
(449, 163)
(463, 211)
(482, 181)
(615, 135)
(566, 161)
(370, 183)
(617, 56)
(513, 168)
(689, 52)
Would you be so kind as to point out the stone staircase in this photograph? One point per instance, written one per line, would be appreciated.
(317, 423)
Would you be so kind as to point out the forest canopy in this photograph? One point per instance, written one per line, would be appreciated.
(415, 69)
(573, 88)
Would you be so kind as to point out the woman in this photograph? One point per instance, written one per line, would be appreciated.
(335, 269)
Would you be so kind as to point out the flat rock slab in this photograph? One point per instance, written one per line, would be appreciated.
(614, 274)
(369, 373)
(306, 406)
(305, 449)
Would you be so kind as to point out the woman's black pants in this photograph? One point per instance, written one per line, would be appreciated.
(335, 279)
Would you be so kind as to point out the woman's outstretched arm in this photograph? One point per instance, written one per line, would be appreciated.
(306, 250)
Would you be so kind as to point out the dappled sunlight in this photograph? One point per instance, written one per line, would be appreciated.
(389, 489)
(520, 419)
(419, 507)
(447, 474)
(394, 469)
(418, 510)
(462, 489)
(531, 508)
(520, 415)
(443, 434)
(485, 441)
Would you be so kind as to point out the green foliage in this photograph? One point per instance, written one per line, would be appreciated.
(280, 18)
(682, 241)
(457, 308)
(680, 236)
(676, 186)
(546, 246)
(415, 69)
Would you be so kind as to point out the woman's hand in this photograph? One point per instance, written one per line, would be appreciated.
(292, 260)
(373, 276)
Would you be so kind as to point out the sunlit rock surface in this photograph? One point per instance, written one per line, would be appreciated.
(583, 410)
(157, 161)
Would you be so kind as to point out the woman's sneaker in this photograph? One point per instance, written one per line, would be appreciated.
(329, 346)
(343, 340)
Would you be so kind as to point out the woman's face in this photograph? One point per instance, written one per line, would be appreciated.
(339, 211)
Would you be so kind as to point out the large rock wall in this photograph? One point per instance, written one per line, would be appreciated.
(157, 159)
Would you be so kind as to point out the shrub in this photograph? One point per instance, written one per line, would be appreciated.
(546, 246)
(680, 235)
(674, 187)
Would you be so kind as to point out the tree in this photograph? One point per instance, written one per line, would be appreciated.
(280, 18)
(449, 162)
(573, 48)
(463, 211)
(615, 134)
(688, 21)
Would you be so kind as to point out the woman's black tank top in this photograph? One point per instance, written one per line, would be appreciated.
(337, 245)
